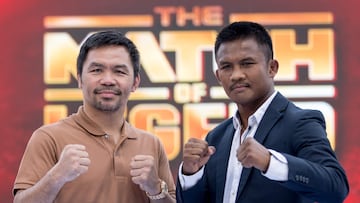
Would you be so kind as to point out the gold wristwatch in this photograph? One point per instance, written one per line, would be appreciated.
(163, 193)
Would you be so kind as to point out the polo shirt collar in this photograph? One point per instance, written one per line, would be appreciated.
(85, 122)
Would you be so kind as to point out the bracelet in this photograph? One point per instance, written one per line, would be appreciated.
(163, 193)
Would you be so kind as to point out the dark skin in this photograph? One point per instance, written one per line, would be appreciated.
(247, 76)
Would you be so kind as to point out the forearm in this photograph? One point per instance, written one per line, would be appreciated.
(44, 191)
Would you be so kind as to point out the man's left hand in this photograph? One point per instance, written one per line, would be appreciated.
(252, 154)
(144, 174)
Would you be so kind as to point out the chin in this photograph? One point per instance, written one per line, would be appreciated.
(108, 108)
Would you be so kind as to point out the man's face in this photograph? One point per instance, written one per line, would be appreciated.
(244, 72)
(108, 78)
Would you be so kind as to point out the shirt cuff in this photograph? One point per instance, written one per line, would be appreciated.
(187, 182)
(278, 167)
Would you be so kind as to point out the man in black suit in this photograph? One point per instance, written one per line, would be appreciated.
(270, 150)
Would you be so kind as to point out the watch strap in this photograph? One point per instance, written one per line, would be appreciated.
(162, 194)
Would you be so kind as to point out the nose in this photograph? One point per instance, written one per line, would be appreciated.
(107, 78)
(237, 73)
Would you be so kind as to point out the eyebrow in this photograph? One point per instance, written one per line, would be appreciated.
(96, 64)
(120, 66)
(243, 59)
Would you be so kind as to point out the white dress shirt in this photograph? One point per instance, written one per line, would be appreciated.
(278, 168)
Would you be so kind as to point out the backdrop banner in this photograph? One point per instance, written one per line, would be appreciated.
(315, 42)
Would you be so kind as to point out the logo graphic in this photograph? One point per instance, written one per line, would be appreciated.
(179, 96)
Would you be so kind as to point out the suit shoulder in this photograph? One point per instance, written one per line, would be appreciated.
(300, 115)
(304, 112)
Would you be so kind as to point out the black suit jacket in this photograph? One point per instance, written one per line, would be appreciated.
(314, 172)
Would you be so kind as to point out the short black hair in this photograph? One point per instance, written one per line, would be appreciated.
(108, 38)
(242, 30)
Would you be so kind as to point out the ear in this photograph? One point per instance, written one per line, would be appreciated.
(136, 83)
(217, 76)
(273, 68)
(78, 77)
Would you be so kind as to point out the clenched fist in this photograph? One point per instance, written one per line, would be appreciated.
(144, 173)
(196, 153)
(74, 161)
(252, 154)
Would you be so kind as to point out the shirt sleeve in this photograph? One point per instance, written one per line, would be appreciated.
(278, 167)
(187, 182)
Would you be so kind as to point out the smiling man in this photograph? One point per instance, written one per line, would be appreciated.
(95, 155)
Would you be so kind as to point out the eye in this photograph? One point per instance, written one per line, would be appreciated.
(247, 63)
(224, 66)
(120, 71)
(96, 70)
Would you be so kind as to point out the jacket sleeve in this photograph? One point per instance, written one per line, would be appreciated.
(314, 170)
(194, 194)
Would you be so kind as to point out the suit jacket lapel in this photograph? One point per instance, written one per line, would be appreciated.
(271, 116)
(223, 161)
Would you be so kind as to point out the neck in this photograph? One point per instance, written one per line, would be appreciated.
(246, 110)
(244, 116)
(110, 122)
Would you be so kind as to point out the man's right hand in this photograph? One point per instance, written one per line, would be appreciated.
(74, 161)
(196, 154)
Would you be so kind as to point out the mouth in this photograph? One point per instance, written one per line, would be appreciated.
(239, 86)
(107, 92)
